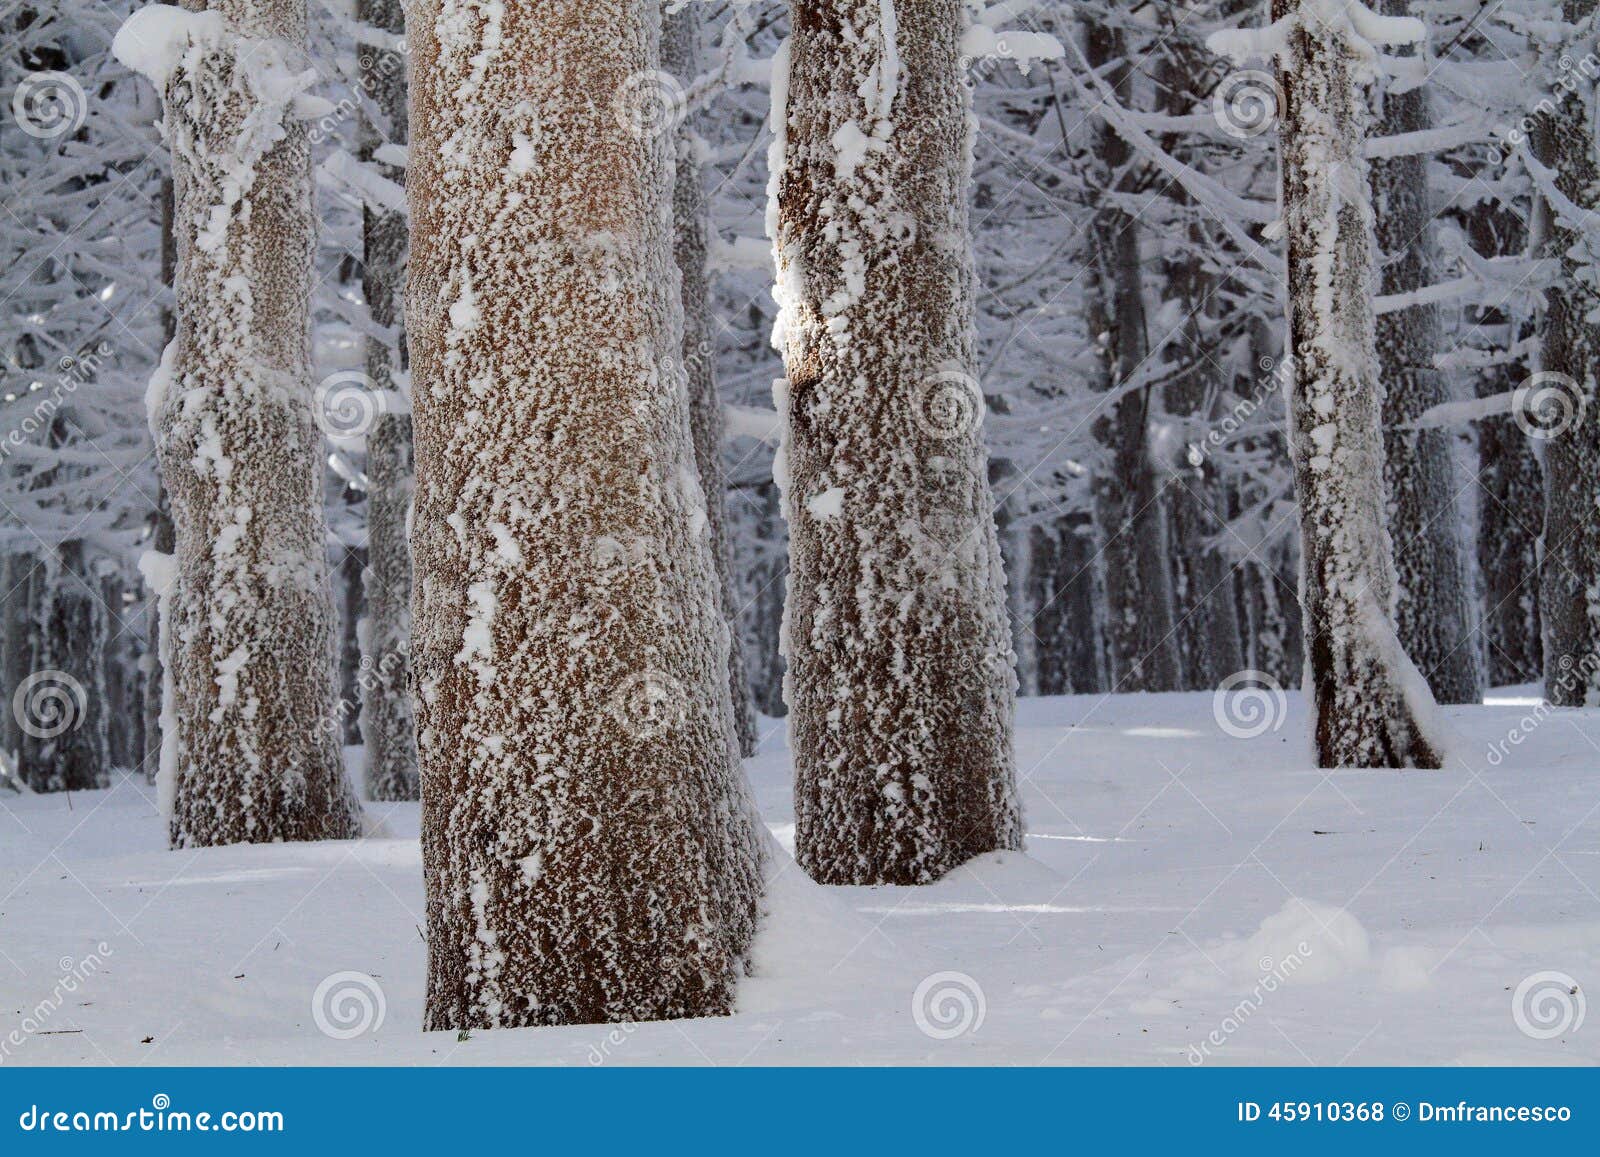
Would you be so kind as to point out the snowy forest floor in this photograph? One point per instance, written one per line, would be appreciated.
(1173, 875)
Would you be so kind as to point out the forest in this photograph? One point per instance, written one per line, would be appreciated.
(799, 531)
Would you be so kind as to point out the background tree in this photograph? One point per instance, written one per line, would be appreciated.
(250, 636)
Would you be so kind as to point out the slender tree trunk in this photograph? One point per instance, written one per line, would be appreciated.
(588, 840)
(63, 709)
(151, 665)
(692, 226)
(1433, 606)
(249, 644)
(1510, 483)
(1568, 399)
(1135, 546)
(772, 578)
(1063, 616)
(388, 729)
(1371, 707)
(900, 665)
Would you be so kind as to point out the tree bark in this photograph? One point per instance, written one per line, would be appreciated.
(692, 227)
(900, 680)
(1434, 615)
(250, 636)
(588, 840)
(1568, 421)
(1370, 707)
(1135, 546)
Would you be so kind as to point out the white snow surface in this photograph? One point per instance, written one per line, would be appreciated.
(1178, 883)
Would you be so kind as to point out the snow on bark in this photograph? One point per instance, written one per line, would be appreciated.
(588, 838)
(249, 630)
(1567, 392)
(692, 225)
(1371, 707)
(900, 677)
(388, 729)
(1434, 615)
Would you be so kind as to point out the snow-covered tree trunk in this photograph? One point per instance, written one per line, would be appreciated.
(588, 839)
(62, 708)
(900, 682)
(1140, 630)
(1568, 396)
(1510, 482)
(388, 728)
(1065, 584)
(250, 633)
(161, 537)
(1434, 615)
(1371, 707)
(692, 227)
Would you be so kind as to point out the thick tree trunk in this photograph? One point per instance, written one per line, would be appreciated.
(1140, 632)
(388, 729)
(900, 680)
(588, 840)
(1434, 615)
(1371, 707)
(691, 231)
(249, 639)
(1568, 401)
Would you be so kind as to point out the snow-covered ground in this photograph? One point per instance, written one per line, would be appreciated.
(1187, 896)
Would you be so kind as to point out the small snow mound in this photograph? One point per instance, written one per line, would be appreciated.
(1327, 942)
(1014, 877)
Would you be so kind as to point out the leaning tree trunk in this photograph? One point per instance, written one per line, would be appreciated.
(691, 231)
(900, 666)
(387, 727)
(1140, 630)
(1433, 606)
(588, 839)
(1567, 395)
(1371, 708)
(249, 637)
